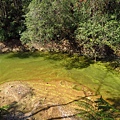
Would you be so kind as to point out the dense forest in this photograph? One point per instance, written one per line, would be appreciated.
(91, 27)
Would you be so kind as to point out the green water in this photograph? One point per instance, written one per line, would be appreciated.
(36, 66)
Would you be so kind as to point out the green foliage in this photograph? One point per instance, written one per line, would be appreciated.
(3, 111)
(101, 110)
(90, 24)
(11, 18)
(95, 35)
(98, 30)
(105, 110)
(94, 25)
(50, 20)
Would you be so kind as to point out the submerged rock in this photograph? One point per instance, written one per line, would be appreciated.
(14, 91)
(38, 100)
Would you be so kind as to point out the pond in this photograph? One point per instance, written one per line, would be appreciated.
(48, 67)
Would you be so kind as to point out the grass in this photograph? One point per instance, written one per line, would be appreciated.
(47, 67)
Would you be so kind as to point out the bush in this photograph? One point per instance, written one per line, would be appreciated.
(89, 26)
(11, 18)
(94, 36)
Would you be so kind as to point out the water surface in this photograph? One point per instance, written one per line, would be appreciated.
(36, 66)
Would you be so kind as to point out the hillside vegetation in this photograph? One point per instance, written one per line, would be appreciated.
(92, 27)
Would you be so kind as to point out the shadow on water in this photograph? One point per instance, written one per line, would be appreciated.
(55, 56)
(24, 55)
(46, 55)
(70, 61)
(66, 60)
(77, 62)
(114, 63)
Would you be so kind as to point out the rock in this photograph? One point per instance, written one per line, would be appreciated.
(15, 49)
(57, 102)
(2, 46)
(6, 49)
(15, 91)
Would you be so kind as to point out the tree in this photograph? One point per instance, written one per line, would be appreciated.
(99, 32)
(88, 25)
(51, 20)
(11, 18)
